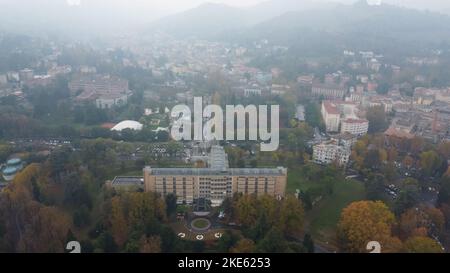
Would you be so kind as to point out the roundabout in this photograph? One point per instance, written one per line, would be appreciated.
(200, 224)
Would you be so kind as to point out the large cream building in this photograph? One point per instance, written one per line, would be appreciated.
(331, 116)
(216, 182)
(344, 115)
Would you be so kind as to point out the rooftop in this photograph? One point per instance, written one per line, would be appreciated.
(218, 159)
(128, 124)
(331, 108)
(354, 121)
(126, 181)
(216, 172)
(9, 171)
(14, 161)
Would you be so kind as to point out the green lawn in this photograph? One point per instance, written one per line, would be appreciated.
(296, 181)
(323, 218)
(200, 223)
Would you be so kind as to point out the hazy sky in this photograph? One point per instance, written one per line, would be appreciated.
(158, 8)
(21, 14)
(163, 7)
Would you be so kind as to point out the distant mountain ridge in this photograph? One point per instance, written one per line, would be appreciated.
(211, 20)
(333, 26)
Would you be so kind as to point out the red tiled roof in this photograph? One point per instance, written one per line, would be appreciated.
(331, 108)
(108, 125)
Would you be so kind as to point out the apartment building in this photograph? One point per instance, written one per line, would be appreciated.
(104, 90)
(329, 152)
(343, 116)
(328, 91)
(355, 126)
(331, 116)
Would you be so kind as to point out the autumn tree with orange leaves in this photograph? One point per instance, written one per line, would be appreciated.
(366, 221)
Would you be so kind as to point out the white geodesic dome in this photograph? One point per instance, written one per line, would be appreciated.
(128, 124)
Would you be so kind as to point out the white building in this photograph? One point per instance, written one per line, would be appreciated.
(355, 126)
(345, 140)
(300, 113)
(279, 89)
(326, 153)
(343, 115)
(111, 100)
(328, 91)
(331, 116)
(252, 92)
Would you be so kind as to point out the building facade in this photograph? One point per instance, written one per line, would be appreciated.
(216, 182)
(105, 91)
(331, 116)
(215, 185)
(326, 153)
(355, 126)
(328, 91)
(343, 117)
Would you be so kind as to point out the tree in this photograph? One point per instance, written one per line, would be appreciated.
(445, 209)
(246, 210)
(308, 243)
(227, 240)
(313, 116)
(392, 154)
(27, 225)
(422, 245)
(81, 216)
(408, 196)
(416, 145)
(269, 206)
(365, 221)
(143, 207)
(375, 187)
(377, 119)
(447, 173)
(260, 228)
(421, 222)
(430, 162)
(119, 225)
(444, 149)
(444, 193)
(241, 163)
(373, 159)
(150, 244)
(105, 243)
(291, 216)
(243, 246)
(408, 161)
(45, 232)
(274, 242)
(5, 151)
(306, 200)
(383, 88)
(171, 204)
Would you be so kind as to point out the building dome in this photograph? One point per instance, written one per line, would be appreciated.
(128, 124)
(10, 171)
(14, 161)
